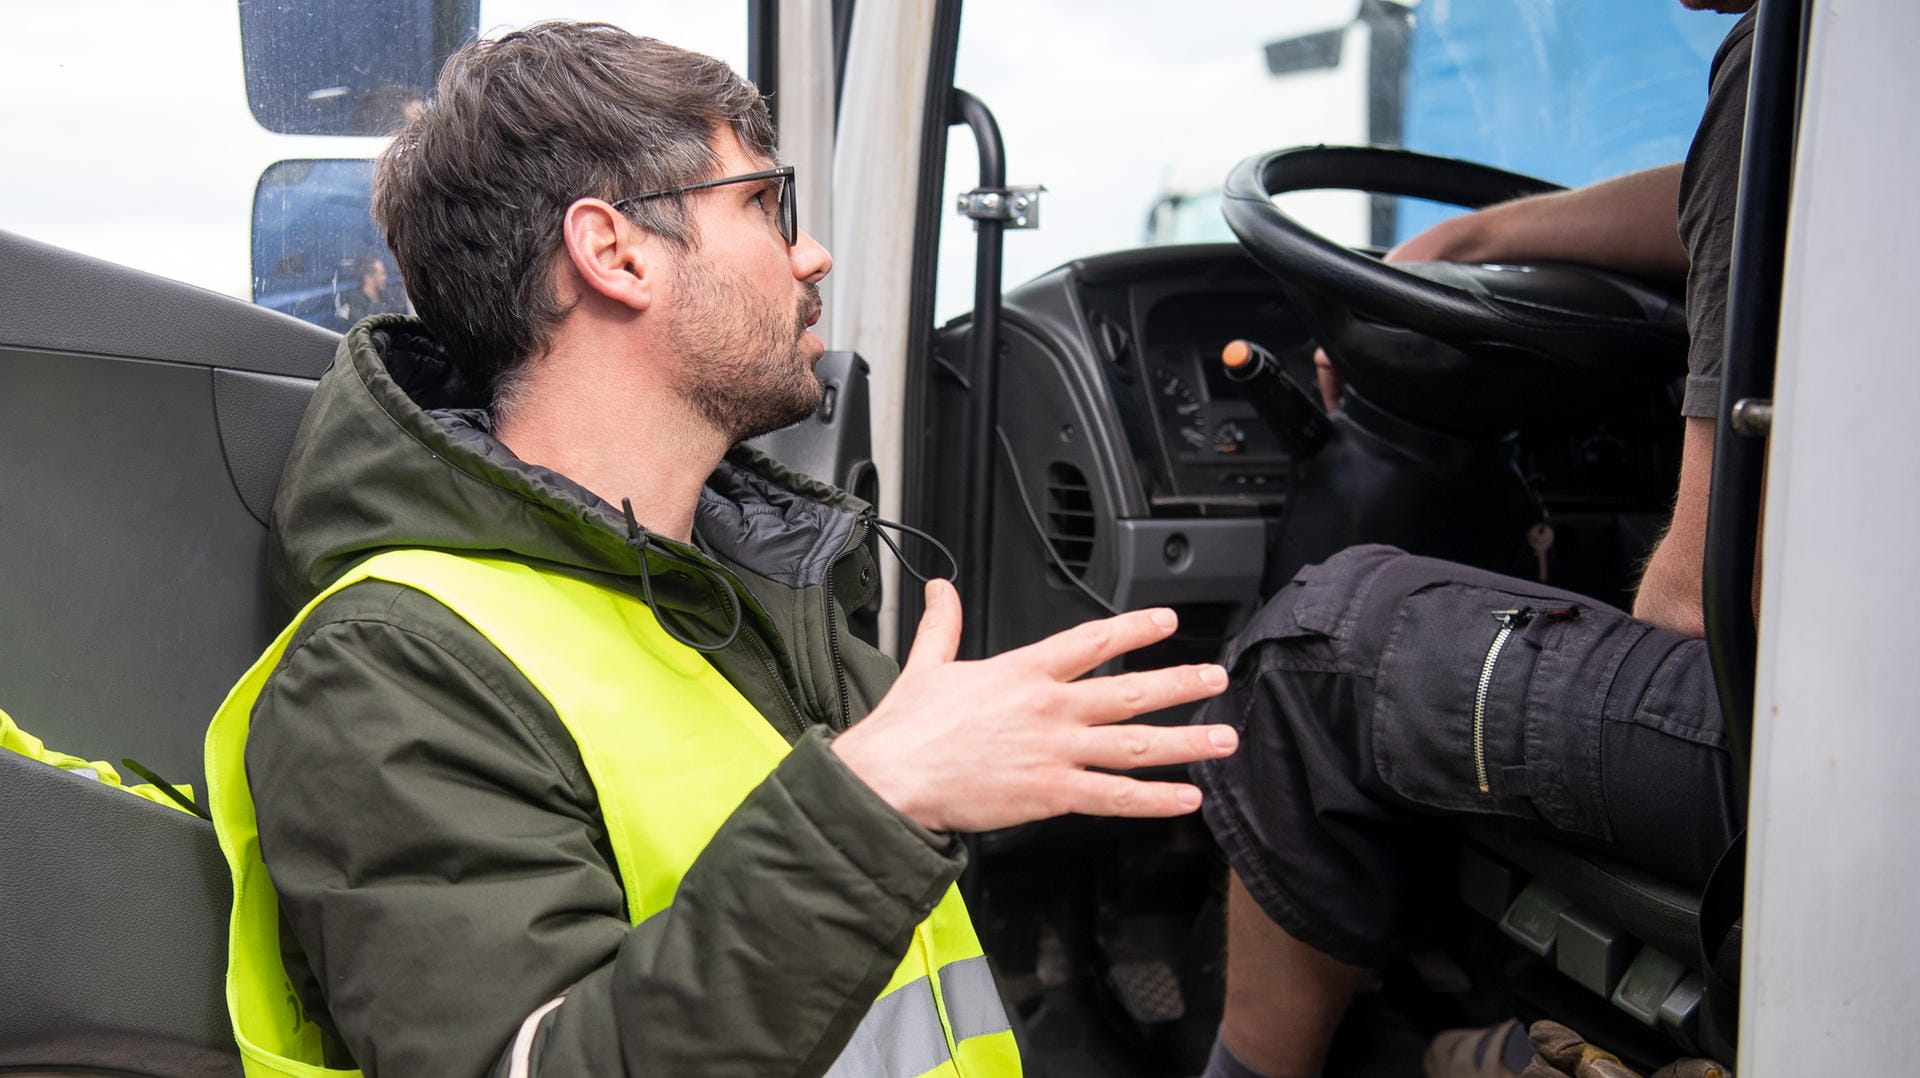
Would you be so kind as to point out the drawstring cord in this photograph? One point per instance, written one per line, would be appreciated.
(642, 541)
(877, 524)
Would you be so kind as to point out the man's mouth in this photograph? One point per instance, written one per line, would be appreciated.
(809, 310)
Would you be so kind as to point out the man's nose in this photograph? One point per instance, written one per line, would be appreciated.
(810, 260)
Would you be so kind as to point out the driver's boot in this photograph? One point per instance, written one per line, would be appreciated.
(1559, 1052)
(1499, 1051)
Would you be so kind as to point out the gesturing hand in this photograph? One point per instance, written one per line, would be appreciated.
(972, 746)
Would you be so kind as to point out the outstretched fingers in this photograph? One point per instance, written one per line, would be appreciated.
(1094, 793)
(1134, 745)
(1122, 696)
(1072, 652)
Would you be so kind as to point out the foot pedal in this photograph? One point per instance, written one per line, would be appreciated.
(1150, 991)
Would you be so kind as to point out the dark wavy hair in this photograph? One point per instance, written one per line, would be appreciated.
(472, 191)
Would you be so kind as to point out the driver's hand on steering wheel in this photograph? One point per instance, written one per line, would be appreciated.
(1329, 380)
(1455, 239)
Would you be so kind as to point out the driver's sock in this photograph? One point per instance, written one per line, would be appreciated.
(1224, 1064)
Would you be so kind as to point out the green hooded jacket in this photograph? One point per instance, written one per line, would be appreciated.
(428, 822)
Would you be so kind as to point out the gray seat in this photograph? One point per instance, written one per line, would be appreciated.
(113, 923)
(143, 425)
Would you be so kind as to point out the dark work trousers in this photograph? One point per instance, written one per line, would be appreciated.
(1380, 697)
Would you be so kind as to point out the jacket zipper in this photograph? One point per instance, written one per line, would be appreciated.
(1509, 621)
(799, 720)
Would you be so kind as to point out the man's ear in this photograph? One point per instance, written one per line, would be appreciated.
(609, 253)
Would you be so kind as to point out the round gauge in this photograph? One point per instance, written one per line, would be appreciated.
(1179, 403)
(1228, 438)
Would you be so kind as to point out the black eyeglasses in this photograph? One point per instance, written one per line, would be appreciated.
(789, 218)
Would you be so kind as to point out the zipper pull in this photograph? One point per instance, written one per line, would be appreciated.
(1513, 619)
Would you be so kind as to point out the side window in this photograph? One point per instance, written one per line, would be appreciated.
(316, 253)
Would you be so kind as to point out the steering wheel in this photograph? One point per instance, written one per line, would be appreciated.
(1459, 348)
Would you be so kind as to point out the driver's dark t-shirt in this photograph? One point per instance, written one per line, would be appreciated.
(1709, 183)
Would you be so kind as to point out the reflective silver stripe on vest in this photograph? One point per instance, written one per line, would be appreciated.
(902, 1037)
(973, 1002)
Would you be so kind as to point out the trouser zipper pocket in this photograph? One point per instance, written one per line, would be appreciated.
(1509, 621)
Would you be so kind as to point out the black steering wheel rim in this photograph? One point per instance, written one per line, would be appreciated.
(1636, 342)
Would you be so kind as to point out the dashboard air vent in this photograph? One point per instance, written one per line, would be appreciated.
(1071, 524)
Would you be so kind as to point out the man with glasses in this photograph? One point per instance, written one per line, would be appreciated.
(568, 763)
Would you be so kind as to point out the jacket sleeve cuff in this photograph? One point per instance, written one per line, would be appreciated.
(900, 856)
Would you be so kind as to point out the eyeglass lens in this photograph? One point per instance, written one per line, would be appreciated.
(789, 215)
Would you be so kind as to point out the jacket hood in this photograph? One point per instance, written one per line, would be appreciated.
(396, 450)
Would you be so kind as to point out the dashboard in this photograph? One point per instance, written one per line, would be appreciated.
(1157, 320)
(1213, 448)
(1130, 451)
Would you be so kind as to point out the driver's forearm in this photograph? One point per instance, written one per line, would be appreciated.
(1670, 594)
(1629, 223)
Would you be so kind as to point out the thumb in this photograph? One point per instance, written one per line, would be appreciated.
(937, 640)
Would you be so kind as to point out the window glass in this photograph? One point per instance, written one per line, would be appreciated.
(1571, 92)
(347, 67)
(316, 253)
(1132, 119)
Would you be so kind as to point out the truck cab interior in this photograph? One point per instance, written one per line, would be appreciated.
(1078, 442)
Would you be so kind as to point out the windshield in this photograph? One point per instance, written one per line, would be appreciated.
(1132, 119)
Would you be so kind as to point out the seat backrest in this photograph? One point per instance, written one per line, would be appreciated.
(143, 425)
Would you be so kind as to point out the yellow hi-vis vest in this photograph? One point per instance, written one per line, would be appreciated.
(672, 749)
